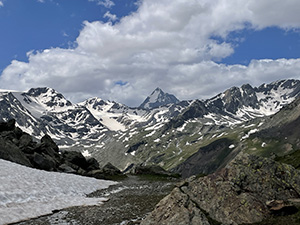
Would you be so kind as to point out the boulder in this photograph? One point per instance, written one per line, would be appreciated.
(92, 164)
(96, 174)
(48, 142)
(75, 158)
(26, 141)
(44, 162)
(236, 194)
(180, 211)
(111, 170)
(66, 169)
(9, 151)
(7, 126)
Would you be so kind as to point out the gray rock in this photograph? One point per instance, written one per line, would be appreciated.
(179, 211)
(111, 170)
(48, 142)
(75, 158)
(7, 126)
(43, 162)
(66, 169)
(236, 194)
(96, 174)
(9, 151)
(92, 164)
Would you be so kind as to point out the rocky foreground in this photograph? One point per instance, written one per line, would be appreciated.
(129, 202)
(249, 189)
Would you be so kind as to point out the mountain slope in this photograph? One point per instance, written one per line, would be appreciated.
(165, 133)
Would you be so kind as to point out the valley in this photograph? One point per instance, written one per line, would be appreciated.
(166, 134)
(235, 141)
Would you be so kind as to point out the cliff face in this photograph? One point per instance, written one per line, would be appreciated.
(248, 190)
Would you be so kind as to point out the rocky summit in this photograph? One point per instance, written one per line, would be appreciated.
(249, 189)
(158, 98)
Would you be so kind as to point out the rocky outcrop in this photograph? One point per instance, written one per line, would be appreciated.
(149, 170)
(247, 190)
(11, 138)
(19, 147)
(109, 171)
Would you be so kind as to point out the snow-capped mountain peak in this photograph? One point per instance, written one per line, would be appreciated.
(43, 99)
(158, 98)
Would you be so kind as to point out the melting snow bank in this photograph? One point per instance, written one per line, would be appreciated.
(26, 193)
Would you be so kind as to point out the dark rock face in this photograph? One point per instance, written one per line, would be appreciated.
(238, 194)
(19, 147)
(207, 160)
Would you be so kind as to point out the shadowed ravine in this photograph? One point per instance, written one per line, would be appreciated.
(129, 201)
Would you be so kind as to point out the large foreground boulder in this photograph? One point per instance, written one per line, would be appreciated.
(247, 190)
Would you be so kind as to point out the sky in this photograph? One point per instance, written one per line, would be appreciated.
(122, 50)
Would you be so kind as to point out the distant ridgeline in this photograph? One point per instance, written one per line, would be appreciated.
(163, 131)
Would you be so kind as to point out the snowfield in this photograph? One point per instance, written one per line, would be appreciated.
(27, 193)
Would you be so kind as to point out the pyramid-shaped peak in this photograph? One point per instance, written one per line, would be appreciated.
(158, 98)
(158, 89)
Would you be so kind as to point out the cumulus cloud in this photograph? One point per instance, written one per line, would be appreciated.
(165, 43)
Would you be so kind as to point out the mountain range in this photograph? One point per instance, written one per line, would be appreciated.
(162, 130)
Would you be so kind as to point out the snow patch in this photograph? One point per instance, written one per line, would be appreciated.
(249, 133)
(157, 140)
(180, 129)
(86, 154)
(27, 193)
(133, 153)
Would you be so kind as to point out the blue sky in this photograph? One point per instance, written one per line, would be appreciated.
(35, 25)
(123, 49)
(269, 43)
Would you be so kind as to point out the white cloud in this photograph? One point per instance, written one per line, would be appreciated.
(41, 1)
(166, 43)
(105, 3)
(111, 17)
(1, 4)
